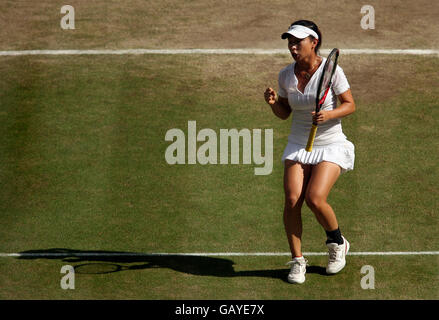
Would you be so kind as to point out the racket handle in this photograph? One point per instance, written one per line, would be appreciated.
(312, 135)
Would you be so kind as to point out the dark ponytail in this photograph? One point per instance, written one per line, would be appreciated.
(313, 26)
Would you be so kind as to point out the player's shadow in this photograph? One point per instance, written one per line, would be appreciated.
(101, 262)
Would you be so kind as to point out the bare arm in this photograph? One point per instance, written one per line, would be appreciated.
(346, 108)
(279, 106)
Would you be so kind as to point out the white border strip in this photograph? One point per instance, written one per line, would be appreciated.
(202, 254)
(209, 51)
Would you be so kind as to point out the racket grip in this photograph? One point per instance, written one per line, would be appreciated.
(312, 135)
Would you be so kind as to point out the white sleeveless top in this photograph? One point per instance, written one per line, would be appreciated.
(302, 104)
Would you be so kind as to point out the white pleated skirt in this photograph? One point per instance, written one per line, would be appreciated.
(341, 153)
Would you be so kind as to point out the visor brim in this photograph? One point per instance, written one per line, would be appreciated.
(294, 33)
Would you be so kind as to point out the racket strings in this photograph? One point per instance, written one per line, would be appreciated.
(327, 75)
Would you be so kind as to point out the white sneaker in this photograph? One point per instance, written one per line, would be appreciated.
(298, 270)
(337, 256)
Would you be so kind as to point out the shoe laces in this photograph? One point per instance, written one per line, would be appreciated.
(296, 264)
(334, 253)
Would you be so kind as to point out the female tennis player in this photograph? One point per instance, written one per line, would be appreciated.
(309, 176)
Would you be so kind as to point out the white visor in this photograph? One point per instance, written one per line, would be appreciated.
(300, 32)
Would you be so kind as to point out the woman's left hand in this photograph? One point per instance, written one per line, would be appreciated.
(321, 116)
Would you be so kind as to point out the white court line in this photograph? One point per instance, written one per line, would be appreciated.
(209, 51)
(202, 254)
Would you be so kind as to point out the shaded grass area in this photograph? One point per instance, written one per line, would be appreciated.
(82, 145)
(177, 277)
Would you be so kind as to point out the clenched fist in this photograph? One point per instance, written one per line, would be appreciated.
(270, 96)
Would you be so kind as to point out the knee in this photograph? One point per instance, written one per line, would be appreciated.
(315, 201)
(293, 200)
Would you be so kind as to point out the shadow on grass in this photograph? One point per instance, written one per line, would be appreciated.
(102, 262)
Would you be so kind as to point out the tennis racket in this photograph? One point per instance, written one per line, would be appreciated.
(323, 88)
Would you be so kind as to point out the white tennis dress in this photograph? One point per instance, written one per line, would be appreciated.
(330, 143)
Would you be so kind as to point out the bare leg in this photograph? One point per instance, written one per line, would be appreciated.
(296, 176)
(323, 177)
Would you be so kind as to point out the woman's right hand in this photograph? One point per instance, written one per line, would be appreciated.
(270, 96)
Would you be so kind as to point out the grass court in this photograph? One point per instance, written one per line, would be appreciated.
(82, 147)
